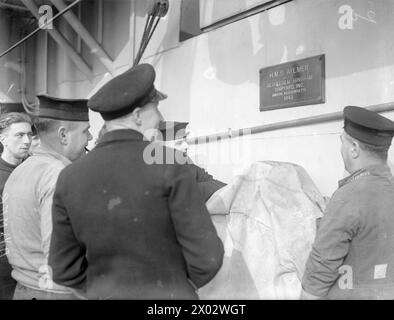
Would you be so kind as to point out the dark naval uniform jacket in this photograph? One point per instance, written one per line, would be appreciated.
(353, 253)
(125, 229)
(206, 183)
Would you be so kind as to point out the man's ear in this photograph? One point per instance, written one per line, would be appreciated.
(355, 149)
(2, 139)
(136, 115)
(62, 135)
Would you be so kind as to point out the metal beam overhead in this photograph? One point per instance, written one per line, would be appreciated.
(80, 29)
(61, 41)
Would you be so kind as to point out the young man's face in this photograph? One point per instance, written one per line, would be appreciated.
(78, 139)
(16, 139)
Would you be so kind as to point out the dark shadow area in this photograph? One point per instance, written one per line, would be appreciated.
(190, 19)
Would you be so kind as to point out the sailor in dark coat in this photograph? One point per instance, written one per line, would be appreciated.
(353, 253)
(175, 132)
(123, 228)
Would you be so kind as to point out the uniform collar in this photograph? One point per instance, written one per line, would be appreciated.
(376, 170)
(120, 135)
(43, 150)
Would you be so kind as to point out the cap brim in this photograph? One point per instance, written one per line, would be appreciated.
(174, 125)
(154, 96)
(160, 95)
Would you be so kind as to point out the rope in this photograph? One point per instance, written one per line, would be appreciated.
(159, 10)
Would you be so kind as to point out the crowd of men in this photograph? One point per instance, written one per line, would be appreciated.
(106, 224)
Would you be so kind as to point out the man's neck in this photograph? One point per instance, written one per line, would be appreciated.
(9, 158)
(53, 146)
(114, 125)
(367, 164)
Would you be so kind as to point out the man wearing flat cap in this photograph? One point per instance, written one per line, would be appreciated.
(174, 134)
(123, 228)
(63, 128)
(353, 253)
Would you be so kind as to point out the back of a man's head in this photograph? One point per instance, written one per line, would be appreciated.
(380, 153)
(144, 119)
(367, 138)
(49, 127)
(63, 125)
(130, 101)
(68, 138)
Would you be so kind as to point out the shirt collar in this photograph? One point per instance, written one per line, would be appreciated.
(7, 164)
(120, 135)
(376, 170)
(43, 150)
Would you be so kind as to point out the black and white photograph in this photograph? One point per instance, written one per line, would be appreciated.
(203, 153)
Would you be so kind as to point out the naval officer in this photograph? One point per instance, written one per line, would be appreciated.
(174, 134)
(123, 228)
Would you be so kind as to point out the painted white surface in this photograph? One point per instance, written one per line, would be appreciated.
(217, 82)
(213, 80)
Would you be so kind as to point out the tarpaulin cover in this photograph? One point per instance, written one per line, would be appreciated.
(267, 220)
